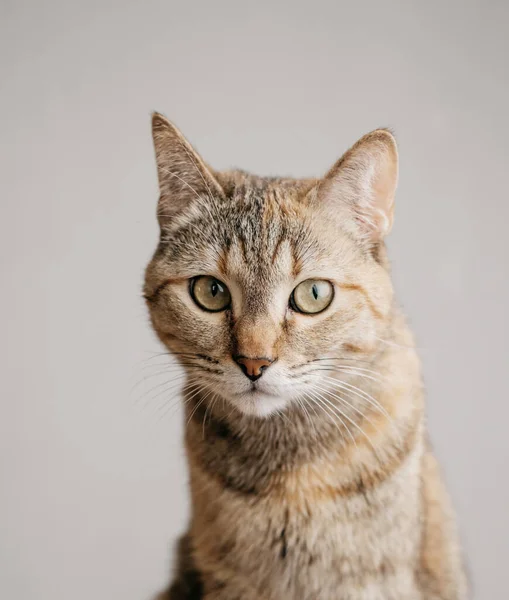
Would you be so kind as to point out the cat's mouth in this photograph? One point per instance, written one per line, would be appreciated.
(254, 390)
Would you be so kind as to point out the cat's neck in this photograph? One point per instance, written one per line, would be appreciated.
(248, 453)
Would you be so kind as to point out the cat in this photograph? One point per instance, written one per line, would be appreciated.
(311, 475)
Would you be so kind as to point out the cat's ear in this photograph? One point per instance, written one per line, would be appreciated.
(183, 176)
(364, 180)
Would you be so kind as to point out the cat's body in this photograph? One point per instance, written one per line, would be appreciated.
(318, 484)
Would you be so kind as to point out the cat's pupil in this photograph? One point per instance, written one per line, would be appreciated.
(214, 288)
(315, 292)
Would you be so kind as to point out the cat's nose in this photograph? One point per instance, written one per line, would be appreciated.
(252, 368)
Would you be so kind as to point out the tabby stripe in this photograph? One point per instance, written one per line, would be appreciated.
(358, 288)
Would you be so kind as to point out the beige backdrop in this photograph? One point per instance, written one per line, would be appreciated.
(93, 485)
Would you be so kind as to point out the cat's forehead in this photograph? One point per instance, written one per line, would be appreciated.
(260, 231)
(265, 226)
(255, 214)
(261, 213)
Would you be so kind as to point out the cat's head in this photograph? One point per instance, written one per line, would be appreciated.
(262, 287)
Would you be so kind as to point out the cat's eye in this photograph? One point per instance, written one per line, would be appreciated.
(312, 296)
(209, 293)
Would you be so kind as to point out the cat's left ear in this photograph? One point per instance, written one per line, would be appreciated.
(365, 180)
(184, 178)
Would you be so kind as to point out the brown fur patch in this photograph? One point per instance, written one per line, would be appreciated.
(310, 482)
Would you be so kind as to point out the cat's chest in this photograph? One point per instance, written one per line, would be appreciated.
(347, 544)
(358, 542)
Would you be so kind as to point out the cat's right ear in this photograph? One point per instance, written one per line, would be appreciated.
(362, 184)
(183, 176)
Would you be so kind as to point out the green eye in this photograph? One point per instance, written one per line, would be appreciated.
(209, 293)
(312, 296)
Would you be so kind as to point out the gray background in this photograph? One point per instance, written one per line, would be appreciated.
(93, 484)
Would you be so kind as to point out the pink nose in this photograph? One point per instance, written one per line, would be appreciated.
(252, 368)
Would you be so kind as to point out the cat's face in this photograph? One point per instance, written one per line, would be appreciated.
(263, 287)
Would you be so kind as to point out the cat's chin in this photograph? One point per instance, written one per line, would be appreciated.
(258, 404)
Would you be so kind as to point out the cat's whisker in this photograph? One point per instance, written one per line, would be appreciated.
(344, 358)
(184, 400)
(345, 385)
(188, 384)
(192, 386)
(337, 369)
(344, 369)
(172, 407)
(203, 399)
(163, 361)
(186, 367)
(186, 355)
(175, 362)
(173, 373)
(360, 393)
(333, 417)
(166, 371)
(309, 363)
(366, 373)
(304, 409)
(167, 408)
(351, 367)
(145, 378)
(311, 406)
(168, 385)
(210, 406)
(280, 413)
(355, 425)
(340, 412)
(155, 355)
(192, 392)
(349, 405)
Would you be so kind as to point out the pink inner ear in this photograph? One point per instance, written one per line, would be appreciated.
(384, 189)
(376, 213)
(364, 182)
